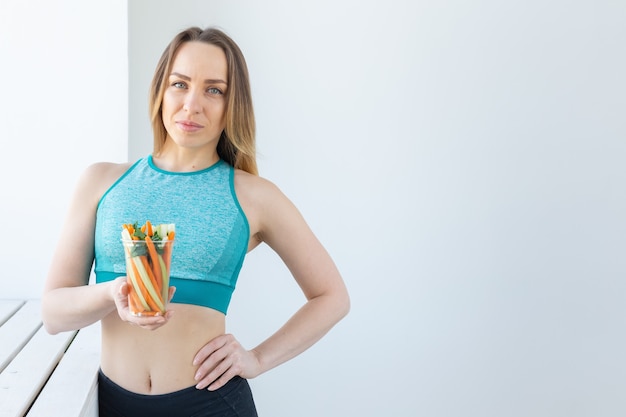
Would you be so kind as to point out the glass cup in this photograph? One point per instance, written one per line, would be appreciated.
(148, 275)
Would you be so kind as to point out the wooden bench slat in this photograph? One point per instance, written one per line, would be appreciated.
(18, 330)
(22, 379)
(77, 373)
(7, 308)
(91, 406)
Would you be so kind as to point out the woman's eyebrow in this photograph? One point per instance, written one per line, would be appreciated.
(207, 81)
(179, 75)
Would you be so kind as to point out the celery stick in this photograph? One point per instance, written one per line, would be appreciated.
(135, 284)
(146, 281)
(131, 274)
(166, 279)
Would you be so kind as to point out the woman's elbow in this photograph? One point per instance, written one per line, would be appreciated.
(343, 304)
(47, 319)
(50, 328)
(49, 325)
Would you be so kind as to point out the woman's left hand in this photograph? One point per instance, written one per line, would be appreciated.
(223, 358)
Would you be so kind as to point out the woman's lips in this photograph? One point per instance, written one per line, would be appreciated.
(188, 125)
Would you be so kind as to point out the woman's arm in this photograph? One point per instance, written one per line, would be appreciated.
(284, 229)
(287, 233)
(68, 302)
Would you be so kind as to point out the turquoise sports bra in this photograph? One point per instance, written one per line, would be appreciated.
(212, 231)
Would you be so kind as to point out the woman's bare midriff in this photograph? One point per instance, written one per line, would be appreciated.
(158, 361)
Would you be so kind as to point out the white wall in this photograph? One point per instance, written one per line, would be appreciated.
(464, 164)
(63, 106)
(462, 161)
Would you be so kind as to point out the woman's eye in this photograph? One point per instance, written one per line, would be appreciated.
(178, 84)
(213, 90)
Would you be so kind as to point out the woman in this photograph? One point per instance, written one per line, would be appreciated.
(202, 176)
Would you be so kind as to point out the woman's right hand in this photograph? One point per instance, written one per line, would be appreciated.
(120, 297)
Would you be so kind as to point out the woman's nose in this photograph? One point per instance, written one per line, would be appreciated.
(192, 103)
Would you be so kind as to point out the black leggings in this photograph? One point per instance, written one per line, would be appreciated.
(232, 400)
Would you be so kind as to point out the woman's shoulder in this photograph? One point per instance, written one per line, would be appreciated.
(262, 195)
(99, 176)
(266, 206)
(105, 171)
(254, 185)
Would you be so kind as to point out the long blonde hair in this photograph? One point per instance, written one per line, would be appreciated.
(237, 142)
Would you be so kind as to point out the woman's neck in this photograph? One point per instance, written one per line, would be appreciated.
(177, 159)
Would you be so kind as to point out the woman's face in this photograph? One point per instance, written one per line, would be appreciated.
(194, 100)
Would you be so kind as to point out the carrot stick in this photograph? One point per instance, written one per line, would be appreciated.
(154, 300)
(141, 290)
(150, 272)
(167, 251)
(154, 258)
(133, 275)
(150, 307)
(133, 300)
(148, 225)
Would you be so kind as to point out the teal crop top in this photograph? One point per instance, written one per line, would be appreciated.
(212, 231)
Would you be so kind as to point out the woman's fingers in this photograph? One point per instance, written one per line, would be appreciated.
(146, 322)
(222, 359)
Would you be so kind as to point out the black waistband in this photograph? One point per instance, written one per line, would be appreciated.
(233, 399)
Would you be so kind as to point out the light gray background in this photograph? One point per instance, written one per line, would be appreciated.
(463, 163)
(63, 106)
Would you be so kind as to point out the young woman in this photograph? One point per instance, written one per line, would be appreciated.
(201, 176)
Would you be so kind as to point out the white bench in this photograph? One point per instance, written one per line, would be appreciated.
(43, 375)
